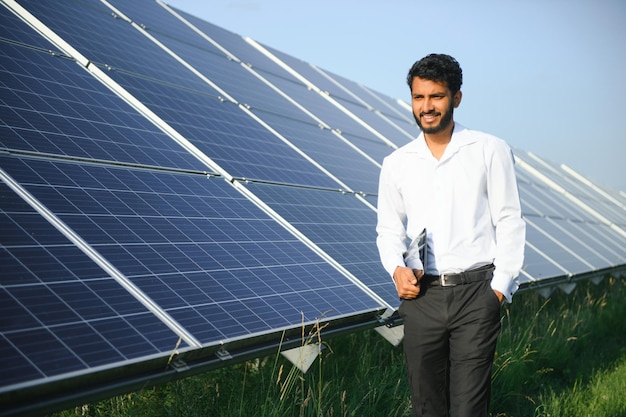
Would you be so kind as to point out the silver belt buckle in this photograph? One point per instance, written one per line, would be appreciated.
(443, 282)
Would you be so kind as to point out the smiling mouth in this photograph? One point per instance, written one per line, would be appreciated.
(429, 117)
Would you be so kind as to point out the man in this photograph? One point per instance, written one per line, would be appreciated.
(459, 185)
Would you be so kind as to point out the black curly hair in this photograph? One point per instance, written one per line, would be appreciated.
(438, 68)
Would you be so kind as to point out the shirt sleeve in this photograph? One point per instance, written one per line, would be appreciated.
(390, 228)
(506, 215)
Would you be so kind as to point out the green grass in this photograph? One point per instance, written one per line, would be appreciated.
(564, 356)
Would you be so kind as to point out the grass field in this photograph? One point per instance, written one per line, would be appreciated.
(562, 356)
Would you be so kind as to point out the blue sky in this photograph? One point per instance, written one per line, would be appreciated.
(548, 76)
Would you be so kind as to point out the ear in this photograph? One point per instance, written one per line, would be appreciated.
(457, 98)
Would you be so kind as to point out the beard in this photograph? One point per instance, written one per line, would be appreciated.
(445, 121)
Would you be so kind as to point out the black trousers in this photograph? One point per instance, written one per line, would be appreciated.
(450, 336)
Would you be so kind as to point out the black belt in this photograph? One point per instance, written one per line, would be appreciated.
(482, 273)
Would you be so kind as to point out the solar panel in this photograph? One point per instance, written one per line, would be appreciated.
(296, 89)
(538, 265)
(590, 197)
(152, 227)
(590, 234)
(218, 127)
(565, 235)
(131, 217)
(340, 224)
(224, 273)
(61, 313)
(334, 154)
(397, 111)
(349, 100)
(353, 169)
(175, 197)
(51, 106)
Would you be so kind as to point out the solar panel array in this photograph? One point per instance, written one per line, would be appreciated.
(174, 196)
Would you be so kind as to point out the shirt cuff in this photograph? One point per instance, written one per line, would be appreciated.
(505, 284)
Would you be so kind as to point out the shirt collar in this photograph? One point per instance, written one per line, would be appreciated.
(460, 138)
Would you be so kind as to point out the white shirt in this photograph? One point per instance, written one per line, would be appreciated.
(468, 202)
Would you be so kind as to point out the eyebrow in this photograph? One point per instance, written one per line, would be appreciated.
(437, 94)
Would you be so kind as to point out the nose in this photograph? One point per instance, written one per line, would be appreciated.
(426, 105)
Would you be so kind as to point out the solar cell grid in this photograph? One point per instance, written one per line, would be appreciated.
(587, 195)
(397, 109)
(386, 105)
(359, 107)
(106, 39)
(221, 130)
(193, 251)
(540, 201)
(538, 266)
(529, 207)
(339, 224)
(372, 147)
(392, 133)
(603, 238)
(61, 312)
(281, 115)
(394, 129)
(608, 209)
(225, 35)
(234, 241)
(80, 118)
(540, 198)
(321, 107)
(316, 78)
(246, 88)
(234, 43)
(578, 243)
(342, 161)
(553, 247)
(14, 31)
(226, 135)
(215, 64)
(591, 232)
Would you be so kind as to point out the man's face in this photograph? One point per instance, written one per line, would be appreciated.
(433, 104)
